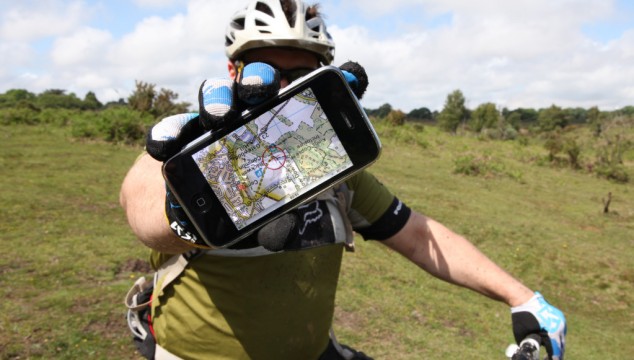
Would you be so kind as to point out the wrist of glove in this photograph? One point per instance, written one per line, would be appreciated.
(537, 316)
(180, 223)
(220, 103)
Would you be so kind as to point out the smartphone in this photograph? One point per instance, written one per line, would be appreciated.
(282, 153)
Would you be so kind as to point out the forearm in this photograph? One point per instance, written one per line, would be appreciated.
(143, 200)
(450, 257)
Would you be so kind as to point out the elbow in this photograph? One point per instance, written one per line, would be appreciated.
(410, 242)
(122, 199)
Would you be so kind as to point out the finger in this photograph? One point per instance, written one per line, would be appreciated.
(170, 135)
(356, 77)
(275, 235)
(548, 343)
(258, 82)
(215, 99)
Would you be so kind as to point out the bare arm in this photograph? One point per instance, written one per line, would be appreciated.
(143, 199)
(450, 257)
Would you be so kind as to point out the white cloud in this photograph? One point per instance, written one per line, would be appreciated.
(178, 52)
(158, 3)
(86, 47)
(30, 20)
(519, 53)
(13, 55)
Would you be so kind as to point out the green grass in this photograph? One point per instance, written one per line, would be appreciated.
(66, 248)
(68, 257)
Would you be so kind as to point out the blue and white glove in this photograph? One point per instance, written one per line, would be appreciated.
(219, 101)
(537, 316)
(222, 100)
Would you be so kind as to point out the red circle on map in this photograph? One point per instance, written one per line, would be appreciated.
(274, 157)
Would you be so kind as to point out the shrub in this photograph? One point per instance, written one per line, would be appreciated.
(469, 165)
(123, 125)
(116, 124)
(483, 165)
(19, 115)
(573, 150)
(614, 172)
(396, 117)
(504, 132)
(58, 117)
(411, 134)
(554, 144)
(472, 165)
(552, 118)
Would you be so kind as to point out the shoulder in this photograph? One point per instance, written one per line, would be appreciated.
(369, 195)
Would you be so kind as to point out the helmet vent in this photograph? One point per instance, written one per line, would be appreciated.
(314, 24)
(260, 6)
(238, 24)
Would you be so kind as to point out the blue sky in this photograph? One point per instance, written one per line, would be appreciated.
(517, 53)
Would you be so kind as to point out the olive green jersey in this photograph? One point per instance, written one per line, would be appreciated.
(254, 304)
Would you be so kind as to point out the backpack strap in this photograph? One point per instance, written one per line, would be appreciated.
(172, 269)
(139, 298)
(166, 274)
(339, 201)
(131, 298)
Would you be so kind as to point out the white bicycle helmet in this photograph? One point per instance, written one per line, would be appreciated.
(263, 24)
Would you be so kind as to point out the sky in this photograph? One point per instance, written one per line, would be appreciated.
(520, 53)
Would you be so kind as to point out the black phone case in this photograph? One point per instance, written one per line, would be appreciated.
(184, 176)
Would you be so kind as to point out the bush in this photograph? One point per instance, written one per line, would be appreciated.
(470, 165)
(26, 114)
(396, 117)
(412, 134)
(616, 173)
(555, 145)
(573, 150)
(116, 124)
(58, 117)
(19, 115)
(505, 132)
(483, 165)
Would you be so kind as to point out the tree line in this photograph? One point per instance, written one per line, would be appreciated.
(123, 121)
(611, 132)
(162, 102)
(128, 120)
(488, 116)
(145, 98)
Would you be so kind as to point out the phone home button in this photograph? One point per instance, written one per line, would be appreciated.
(201, 202)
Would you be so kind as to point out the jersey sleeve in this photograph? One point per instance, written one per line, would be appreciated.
(375, 212)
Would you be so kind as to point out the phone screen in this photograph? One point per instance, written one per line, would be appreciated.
(280, 155)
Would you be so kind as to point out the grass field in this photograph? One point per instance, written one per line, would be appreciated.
(68, 257)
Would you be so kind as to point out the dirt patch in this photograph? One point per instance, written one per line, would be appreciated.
(349, 320)
(134, 266)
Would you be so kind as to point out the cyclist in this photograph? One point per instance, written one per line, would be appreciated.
(250, 302)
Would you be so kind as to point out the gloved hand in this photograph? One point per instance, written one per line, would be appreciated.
(537, 316)
(220, 103)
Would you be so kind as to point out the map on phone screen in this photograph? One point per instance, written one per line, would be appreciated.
(271, 160)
